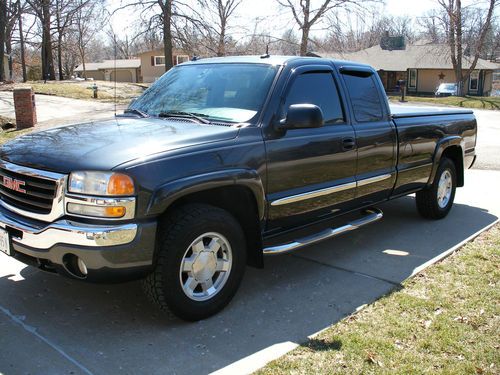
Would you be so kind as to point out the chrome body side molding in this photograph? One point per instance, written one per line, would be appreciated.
(330, 190)
(371, 215)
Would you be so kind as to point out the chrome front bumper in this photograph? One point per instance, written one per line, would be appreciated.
(43, 236)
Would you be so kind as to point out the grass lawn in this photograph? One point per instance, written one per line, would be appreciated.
(479, 102)
(7, 135)
(83, 89)
(445, 320)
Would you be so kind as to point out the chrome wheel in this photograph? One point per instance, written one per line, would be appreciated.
(205, 266)
(445, 187)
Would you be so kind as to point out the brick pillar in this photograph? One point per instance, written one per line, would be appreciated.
(24, 103)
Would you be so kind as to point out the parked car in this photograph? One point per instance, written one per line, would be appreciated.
(446, 89)
(220, 162)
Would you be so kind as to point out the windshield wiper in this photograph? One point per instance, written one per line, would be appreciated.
(193, 115)
(136, 111)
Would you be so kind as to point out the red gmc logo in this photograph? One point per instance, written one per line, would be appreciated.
(13, 184)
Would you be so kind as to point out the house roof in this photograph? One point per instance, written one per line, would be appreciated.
(110, 64)
(426, 56)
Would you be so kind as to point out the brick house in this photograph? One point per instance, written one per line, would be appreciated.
(153, 63)
(423, 66)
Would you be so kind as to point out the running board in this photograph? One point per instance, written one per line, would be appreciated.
(371, 215)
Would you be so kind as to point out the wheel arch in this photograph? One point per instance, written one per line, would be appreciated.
(452, 148)
(240, 192)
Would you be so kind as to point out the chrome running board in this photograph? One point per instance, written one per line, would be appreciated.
(371, 215)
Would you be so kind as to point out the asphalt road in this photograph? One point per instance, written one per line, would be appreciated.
(52, 325)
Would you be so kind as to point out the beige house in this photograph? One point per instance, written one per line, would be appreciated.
(153, 63)
(125, 70)
(423, 66)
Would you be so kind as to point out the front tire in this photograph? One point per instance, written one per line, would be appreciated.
(435, 201)
(200, 264)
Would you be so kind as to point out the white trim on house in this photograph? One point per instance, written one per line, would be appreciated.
(413, 72)
(158, 59)
(181, 59)
(474, 76)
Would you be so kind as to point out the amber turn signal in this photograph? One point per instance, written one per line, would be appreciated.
(120, 184)
(115, 211)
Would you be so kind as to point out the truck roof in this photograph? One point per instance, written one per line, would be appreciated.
(270, 60)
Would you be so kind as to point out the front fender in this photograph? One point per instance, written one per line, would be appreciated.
(168, 193)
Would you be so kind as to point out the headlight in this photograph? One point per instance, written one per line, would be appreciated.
(100, 183)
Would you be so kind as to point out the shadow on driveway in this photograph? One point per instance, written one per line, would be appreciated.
(113, 328)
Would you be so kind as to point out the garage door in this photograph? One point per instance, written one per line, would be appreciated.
(122, 76)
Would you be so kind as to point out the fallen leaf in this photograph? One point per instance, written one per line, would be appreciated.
(479, 370)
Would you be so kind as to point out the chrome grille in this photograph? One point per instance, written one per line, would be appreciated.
(31, 192)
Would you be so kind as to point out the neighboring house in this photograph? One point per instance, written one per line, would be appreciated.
(422, 66)
(153, 63)
(125, 70)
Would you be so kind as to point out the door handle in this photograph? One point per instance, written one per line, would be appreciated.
(348, 143)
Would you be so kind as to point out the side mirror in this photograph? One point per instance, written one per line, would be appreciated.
(303, 116)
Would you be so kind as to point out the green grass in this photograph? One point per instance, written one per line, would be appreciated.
(479, 102)
(7, 135)
(446, 320)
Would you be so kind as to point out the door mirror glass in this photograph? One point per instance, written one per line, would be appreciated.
(303, 116)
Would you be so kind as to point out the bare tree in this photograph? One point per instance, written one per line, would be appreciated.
(88, 20)
(42, 9)
(3, 18)
(456, 38)
(306, 15)
(216, 22)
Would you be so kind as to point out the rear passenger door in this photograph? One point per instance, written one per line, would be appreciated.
(375, 135)
(310, 171)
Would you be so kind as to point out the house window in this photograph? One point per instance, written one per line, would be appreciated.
(474, 81)
(182, 58)
(159, 60)
(412, 79)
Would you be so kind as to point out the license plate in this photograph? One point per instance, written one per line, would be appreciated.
(4, 242)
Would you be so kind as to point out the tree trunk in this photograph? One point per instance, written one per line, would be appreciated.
(59, 57)
(166, 6)
(304, 41)
(21, 41)
(3, 13)
(47, 57)
(221, 48)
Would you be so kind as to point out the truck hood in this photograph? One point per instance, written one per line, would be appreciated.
(106, 144)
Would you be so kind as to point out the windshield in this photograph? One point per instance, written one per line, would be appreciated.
(219, 92)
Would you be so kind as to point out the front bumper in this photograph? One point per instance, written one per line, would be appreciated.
(109, 252)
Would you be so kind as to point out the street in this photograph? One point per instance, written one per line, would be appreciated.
(53, 325)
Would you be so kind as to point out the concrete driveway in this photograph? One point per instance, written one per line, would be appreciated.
(49, 324)
(54, 110)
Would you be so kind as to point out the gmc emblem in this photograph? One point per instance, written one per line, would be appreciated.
(13, 184)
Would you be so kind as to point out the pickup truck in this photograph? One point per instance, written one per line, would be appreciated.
(218, 163)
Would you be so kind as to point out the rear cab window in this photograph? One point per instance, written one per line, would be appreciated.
(365, 98)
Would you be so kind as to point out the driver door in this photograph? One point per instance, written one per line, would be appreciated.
(311, 172)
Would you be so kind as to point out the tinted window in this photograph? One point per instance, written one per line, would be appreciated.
(318, 89)
(364, 98)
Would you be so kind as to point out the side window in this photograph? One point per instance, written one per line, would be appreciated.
(365, 98)
(319, 89)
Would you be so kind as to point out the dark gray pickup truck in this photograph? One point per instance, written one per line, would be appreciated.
(218, 163)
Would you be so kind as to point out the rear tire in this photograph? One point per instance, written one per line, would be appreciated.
(200, 264)
(435, 201)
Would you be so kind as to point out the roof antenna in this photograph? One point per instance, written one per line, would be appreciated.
(266, 55)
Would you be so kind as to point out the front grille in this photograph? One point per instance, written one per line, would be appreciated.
(38, 196)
